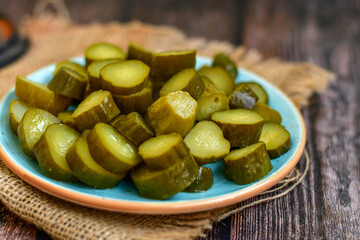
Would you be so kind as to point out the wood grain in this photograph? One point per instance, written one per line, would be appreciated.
(326, 32)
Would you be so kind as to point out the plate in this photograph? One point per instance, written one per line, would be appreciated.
(124, 197)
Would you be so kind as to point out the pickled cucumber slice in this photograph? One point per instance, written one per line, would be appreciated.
(269, 114)
(99, 106)
(103, 51)
(94, 72)
(86, 169)
(276, 138)
(66, 118)
(220, 77)
(203, 181)
(133, 127)
(211, 100)
(247, 165)
(207, 143)
(166, 64)
(163, 151)
(50, 152)
(124, 77)
(17, 109)
(224, 61)
(136, 102)
(258, 90)
(31, 128)
(68, 83)
(174, 112)
(242, 127)
(73, 66)
(138, 52)
(243, 97)
(40, 96)
(165, 183)
(186, 80)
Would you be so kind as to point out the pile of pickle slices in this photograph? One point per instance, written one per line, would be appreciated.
(148, 114)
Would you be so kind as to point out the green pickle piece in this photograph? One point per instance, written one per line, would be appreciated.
(220, 77)
(203, 181)
(186, 80)
(269, 114)
(242, 97)
(175, 112)
(31, 128)
(94, 72)
(68, 83)
(40, 96)
(111, 150)
(125, 77)
(242, 127)
(163, 151)
(86, 169)
(103, 51)
(165, 183)
(247, 165)
(99, 106)
(258, 90)
(50, 151)
(207, 143)
(17, 109)
(165, 64)
(66, 118)
(276, 138)
(139, 52)
(133, 127)
(73, 66)
(224, 61)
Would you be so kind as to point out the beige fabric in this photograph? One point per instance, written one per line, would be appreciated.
(54, 39)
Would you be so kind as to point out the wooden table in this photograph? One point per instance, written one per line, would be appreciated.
(326, 32)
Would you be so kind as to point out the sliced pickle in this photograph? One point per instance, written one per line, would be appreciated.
(242, 127)
(86, 169)
(40, 96)
(269, 114)
(165, 183)
(258, 90)
(124, 77)
(50, 151)
(186, 80)
(138, 52)
(174, 112)
(17, 110)
(99, 106)
(111, 150)
(242, 97)
(224, 61)
(73, 66)
(207, 143)
(136, 102)
(68, 83)
(31, 128)
(103, 51)
(66, 118)
(166, 64)
(94, 72)
(247, 165)
(203, 181)
(220, 77)
(276, 138)
(163, 151)
(211, 100)
(133, 127)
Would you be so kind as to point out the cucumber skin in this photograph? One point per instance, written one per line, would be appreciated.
(136, 102)
(248, 170)
(173, 180)
(203, 181)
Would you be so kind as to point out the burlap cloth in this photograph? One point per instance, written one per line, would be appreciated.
(53, 39)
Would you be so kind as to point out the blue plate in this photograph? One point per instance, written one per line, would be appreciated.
(124, 197)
